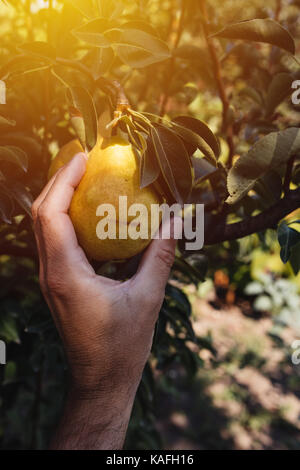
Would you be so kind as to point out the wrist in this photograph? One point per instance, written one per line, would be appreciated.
(98, 422)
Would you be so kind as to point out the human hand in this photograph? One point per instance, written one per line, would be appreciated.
(106, 326)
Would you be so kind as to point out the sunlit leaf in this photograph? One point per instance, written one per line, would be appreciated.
(22, 64)
(140, 25)
(41, 49)
(93, 32)
(268, 153)
(139, 49)
(83, 101)
(99, 60)
(260, 30)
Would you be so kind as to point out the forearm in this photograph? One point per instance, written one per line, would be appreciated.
(93, 424)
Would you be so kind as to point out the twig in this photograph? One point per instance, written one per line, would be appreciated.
(226, 126)
(166, 97)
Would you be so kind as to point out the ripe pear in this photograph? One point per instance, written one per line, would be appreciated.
(112, 171)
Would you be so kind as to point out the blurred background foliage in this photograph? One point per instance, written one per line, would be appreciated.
(220, 375)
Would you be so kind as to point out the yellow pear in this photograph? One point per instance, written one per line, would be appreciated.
(112, 171)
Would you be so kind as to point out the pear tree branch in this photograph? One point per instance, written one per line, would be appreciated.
(220, 231)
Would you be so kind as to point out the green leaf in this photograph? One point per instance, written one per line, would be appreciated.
(8, 329)
(20, 194)
(252, 93)
(6, 207)
(295, 259)
(139, 49)
(149, 167)
(84, 103)
(203, 131)
(10, 373)
(40, 49)
(279, 89)
(268, 153)
(287, 238)
(193, 141)
(14, 155)
(260, 30)
(203, 169)
(174, 162)
(94, 31)
(269, 187)
(296, 175)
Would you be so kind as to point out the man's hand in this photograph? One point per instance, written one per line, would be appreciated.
(106, 326)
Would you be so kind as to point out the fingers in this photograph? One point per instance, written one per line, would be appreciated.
(41, 197)
(54, 229)
(58, 197)
(155, 267)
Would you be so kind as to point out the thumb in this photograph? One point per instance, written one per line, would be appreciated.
(154, 270)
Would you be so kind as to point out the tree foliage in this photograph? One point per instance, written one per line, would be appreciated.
(202, 89)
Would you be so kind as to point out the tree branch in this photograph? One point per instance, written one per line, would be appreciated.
(171, 68)
(226, 127)
(219, 233)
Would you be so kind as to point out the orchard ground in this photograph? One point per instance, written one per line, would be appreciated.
(245, 397)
